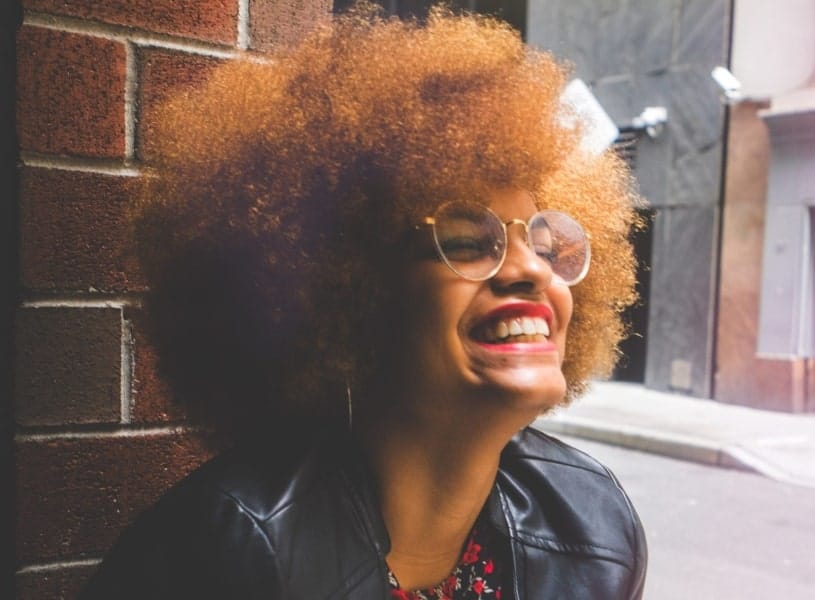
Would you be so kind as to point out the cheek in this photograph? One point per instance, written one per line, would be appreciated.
(435, 304)
(419, 318)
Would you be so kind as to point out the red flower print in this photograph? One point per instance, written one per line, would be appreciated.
(477, 577)
(471, 553)
(448, 588)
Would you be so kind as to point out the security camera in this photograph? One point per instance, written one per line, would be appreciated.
(652, 119)
(730, 86)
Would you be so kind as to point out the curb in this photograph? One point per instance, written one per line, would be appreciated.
(671, 445)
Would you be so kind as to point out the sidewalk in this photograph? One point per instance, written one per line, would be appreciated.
(778, 445)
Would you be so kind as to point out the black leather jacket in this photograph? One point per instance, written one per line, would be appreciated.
(309, 529)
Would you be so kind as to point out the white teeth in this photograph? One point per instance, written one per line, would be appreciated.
(519, 326)
(515, 327)
(541, 327)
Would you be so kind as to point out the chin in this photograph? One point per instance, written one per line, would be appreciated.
(525, 390)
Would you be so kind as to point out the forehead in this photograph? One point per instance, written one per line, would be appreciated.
(511, 204)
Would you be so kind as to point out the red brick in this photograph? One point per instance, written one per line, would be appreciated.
(67, 366)
(162, 74)
(151, 396)
(284, 22)
(74, 231)
(59, 584)
(74, 496)
(211, 20)
(70, 93)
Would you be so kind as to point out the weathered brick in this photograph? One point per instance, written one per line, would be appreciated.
(162, 74)
(59, 584)
(74, 231)
(151, 395)
(68, 366)
(70, 93)
(284, 22)
(211, 20)
(74, 496)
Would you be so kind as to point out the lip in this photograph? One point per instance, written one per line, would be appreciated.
(516, 310)
(527, 348)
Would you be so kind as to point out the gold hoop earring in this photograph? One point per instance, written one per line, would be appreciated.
(350, 405)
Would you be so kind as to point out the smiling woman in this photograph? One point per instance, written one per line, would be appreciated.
(373, 262)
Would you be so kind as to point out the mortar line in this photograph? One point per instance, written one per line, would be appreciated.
(122, 34)
(86, 165)
(131, 82)
(56, 566)
(243, 24)
(119, 302)
(126, 373)
(128, 433)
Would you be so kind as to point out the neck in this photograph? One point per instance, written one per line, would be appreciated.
(434, 473)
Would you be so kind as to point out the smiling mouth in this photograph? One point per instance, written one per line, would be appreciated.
(515, 330)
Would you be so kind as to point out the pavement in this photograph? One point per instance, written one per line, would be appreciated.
(774, 444)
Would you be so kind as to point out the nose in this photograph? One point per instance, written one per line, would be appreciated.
(522, 269)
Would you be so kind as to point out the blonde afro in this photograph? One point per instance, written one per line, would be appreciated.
(281, 191)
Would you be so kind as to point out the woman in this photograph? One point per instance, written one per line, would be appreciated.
(369, 264)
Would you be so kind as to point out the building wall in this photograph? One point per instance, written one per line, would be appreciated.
(639, 53)
(96, 438)
(743, 376)
(765, 348)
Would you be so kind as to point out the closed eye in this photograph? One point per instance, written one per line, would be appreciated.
(466, 248)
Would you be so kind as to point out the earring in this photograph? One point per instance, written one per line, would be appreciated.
(350, 405)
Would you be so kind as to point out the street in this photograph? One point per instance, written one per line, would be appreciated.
(716, 533)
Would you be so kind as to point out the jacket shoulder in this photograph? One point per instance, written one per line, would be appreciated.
(539, 464)
(197, 542)
(239, 527)
(206, 537)
(535, 445)
(262, 484)
(561, 500)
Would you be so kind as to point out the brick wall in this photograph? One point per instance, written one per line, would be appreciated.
(96, 439)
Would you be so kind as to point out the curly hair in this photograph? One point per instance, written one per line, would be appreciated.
(277, 201)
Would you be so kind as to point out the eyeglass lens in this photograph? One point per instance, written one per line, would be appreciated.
(472, 241)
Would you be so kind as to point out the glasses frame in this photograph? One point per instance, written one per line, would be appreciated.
(431, 221)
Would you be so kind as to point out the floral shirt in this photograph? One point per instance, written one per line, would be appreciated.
(477, 576)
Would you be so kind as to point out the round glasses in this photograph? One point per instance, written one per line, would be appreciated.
(472, 240)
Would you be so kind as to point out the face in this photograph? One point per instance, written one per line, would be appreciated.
(498, 342)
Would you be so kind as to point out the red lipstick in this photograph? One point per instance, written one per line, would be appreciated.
(485, 337)
(519, 309)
